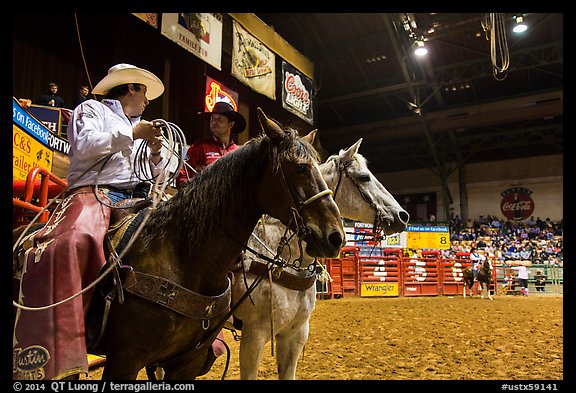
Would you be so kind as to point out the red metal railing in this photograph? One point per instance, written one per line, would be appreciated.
(24, 191)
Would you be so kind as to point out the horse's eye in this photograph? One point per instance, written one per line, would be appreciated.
(363, 178)
(301, 168)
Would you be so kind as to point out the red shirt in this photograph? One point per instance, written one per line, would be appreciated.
(202, 154)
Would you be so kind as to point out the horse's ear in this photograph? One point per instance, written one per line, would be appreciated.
(311, 137)
(270, 127)
(348, 154)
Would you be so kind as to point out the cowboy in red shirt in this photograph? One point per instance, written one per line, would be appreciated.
(223, 122)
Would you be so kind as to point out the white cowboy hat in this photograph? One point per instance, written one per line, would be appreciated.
(123, 73)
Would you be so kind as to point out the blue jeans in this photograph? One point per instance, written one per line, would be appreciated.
(117, 196)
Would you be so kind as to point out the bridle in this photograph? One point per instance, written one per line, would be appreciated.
(377, 227)
(276, 264)
(297, 205)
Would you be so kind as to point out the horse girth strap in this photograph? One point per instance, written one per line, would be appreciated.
(175, 297)
(286, 279)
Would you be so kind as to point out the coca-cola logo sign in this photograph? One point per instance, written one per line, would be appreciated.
(517, 204)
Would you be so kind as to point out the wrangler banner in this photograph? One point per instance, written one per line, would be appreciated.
(199, 33)
(252, 62)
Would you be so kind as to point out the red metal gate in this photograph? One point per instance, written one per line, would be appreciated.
(420, 274)
(381, 275)
(344, 273)
(452, 273)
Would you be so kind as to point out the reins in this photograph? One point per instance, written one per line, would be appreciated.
(275, 262)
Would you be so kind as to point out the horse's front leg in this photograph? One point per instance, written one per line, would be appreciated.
(254, 338)
(187, 368)
(288, 349)
(488, 292)
(120, 368)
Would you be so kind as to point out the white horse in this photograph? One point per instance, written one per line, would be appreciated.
(360, 197)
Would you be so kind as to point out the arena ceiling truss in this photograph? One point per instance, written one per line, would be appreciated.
(448, 108)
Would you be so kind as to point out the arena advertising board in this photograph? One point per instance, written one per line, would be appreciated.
(297, 93)
(198, 33)
(517, 204)
(252, 62)
(217, 92)
(428, 237)
(379, 289)
(361, 237)
(151, 18)
(33, 143)
(49, 116)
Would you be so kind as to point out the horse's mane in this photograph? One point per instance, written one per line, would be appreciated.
(202, 204)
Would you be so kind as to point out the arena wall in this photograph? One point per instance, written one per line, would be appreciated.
(543, 175)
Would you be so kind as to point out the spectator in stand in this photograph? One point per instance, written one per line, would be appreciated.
(482, 220)
(515, 253)
(82, 95)
(525, 254)
(495, 223)
(481, 244)
(51, 98)
(540, 281)
(499, 255)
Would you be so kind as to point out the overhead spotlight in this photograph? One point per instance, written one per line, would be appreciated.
(420, 49)
(520, 26)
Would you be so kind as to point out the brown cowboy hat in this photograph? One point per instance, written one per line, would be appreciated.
(227, 110)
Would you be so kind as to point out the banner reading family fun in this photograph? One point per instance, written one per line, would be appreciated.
(252, 62)
(199, 33)
(297, 93)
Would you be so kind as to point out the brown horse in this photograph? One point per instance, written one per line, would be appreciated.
(484, 277)
(177, 289)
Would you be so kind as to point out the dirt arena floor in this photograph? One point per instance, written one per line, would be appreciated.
(423, 338)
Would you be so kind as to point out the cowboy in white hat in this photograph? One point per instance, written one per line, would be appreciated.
(67, 254)
(224, 121)
(112, 126)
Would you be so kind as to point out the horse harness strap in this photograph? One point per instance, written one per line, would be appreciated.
(298, 207)
(377, 219)
(175, 297)
(286, 279)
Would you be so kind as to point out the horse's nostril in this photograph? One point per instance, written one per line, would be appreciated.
(335, 239)
(403, 216)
